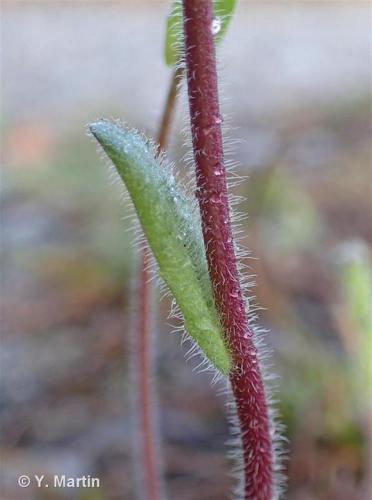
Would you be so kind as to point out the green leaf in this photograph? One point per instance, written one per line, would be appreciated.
(173, 34)
(173, 232)
(223, 10)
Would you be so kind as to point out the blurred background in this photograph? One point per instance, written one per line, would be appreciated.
(296, 80)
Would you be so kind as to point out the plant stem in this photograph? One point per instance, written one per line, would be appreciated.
(144, 362)
(245, 378)
(168, 112)
(143, 365)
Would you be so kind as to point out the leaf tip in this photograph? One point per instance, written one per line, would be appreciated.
(97, 129)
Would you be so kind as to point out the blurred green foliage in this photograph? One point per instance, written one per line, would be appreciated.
(356, 282)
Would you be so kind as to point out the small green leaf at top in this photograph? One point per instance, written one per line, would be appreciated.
(222, 9)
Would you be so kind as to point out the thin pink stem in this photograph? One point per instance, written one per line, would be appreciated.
(245, 378)
(144, 368)
(143, 364)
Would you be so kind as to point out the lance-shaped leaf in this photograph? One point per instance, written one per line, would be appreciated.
(173, 231)
(223, 10)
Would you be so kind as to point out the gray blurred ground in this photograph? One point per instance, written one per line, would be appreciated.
(64, 61)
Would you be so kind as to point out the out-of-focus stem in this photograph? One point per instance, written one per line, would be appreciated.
(245, 378)
(143, 326)
(149, 464)
(169, 108)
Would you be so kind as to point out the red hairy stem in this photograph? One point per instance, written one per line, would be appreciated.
(144, 362)
(245, 378)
